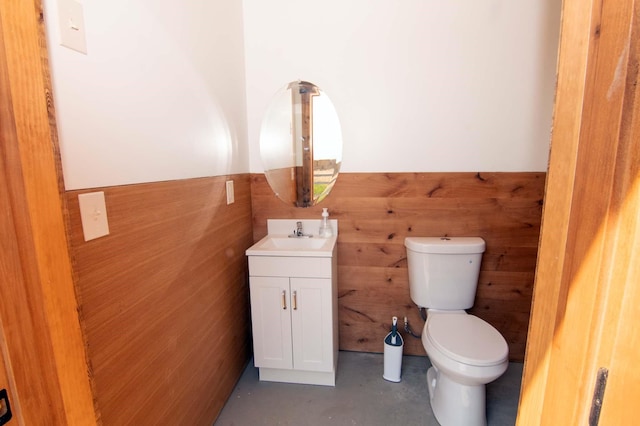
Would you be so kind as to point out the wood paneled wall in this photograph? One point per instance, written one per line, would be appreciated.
(376, 211)
(164, 299)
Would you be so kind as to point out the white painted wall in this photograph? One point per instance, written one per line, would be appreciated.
(159, 96)
(419, 85)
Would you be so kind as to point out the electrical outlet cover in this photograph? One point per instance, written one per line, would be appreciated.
(231, 198)
(71, 22)
(93, 212)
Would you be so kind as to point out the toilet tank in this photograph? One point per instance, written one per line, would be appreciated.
(443, 272)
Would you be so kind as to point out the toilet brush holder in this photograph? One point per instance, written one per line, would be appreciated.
(393, 345)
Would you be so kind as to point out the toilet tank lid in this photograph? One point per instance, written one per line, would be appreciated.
(445, 245)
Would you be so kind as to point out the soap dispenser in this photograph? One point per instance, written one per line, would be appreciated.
(325, 227)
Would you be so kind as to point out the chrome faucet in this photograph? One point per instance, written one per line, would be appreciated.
(298, 233)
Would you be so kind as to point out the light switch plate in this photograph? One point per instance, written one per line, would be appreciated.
(93, 212)
(71, 22)
(230, 195)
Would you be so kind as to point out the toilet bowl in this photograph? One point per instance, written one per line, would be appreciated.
(466, 353)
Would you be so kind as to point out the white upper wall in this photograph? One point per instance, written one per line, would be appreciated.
(159, 96)
(418, 85)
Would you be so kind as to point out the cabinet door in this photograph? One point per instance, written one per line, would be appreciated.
(312, 320)
(271, 320)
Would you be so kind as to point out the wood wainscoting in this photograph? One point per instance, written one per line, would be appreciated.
(376, 211)
(164, 299)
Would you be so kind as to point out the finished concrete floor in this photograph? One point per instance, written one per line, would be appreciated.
(361, 397)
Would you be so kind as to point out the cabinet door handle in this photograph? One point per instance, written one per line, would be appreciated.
(295, 300)
(284, 299)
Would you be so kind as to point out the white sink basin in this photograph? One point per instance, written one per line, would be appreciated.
(278, 243)
(282, 245)
(289, 243)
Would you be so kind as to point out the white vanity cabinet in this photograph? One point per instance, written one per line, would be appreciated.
(294, 316)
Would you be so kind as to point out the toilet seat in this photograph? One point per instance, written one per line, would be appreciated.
(466, 339)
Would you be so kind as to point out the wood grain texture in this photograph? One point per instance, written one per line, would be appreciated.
(586, 290)
(569, 104)
(376, 211)
(42, 346)
(164, 298)
(285, 180)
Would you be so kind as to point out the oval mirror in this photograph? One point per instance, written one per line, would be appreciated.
(301, 144)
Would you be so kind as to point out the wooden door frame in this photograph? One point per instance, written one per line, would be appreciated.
(591, 172)
(44, 353)
(43, 280)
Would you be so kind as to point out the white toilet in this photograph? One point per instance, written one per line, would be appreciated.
(465, 352)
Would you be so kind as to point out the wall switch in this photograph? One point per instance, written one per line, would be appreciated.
(93, 212)
(71, 22)
(230, 195)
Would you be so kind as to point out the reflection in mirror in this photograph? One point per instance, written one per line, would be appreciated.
(301, 144)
